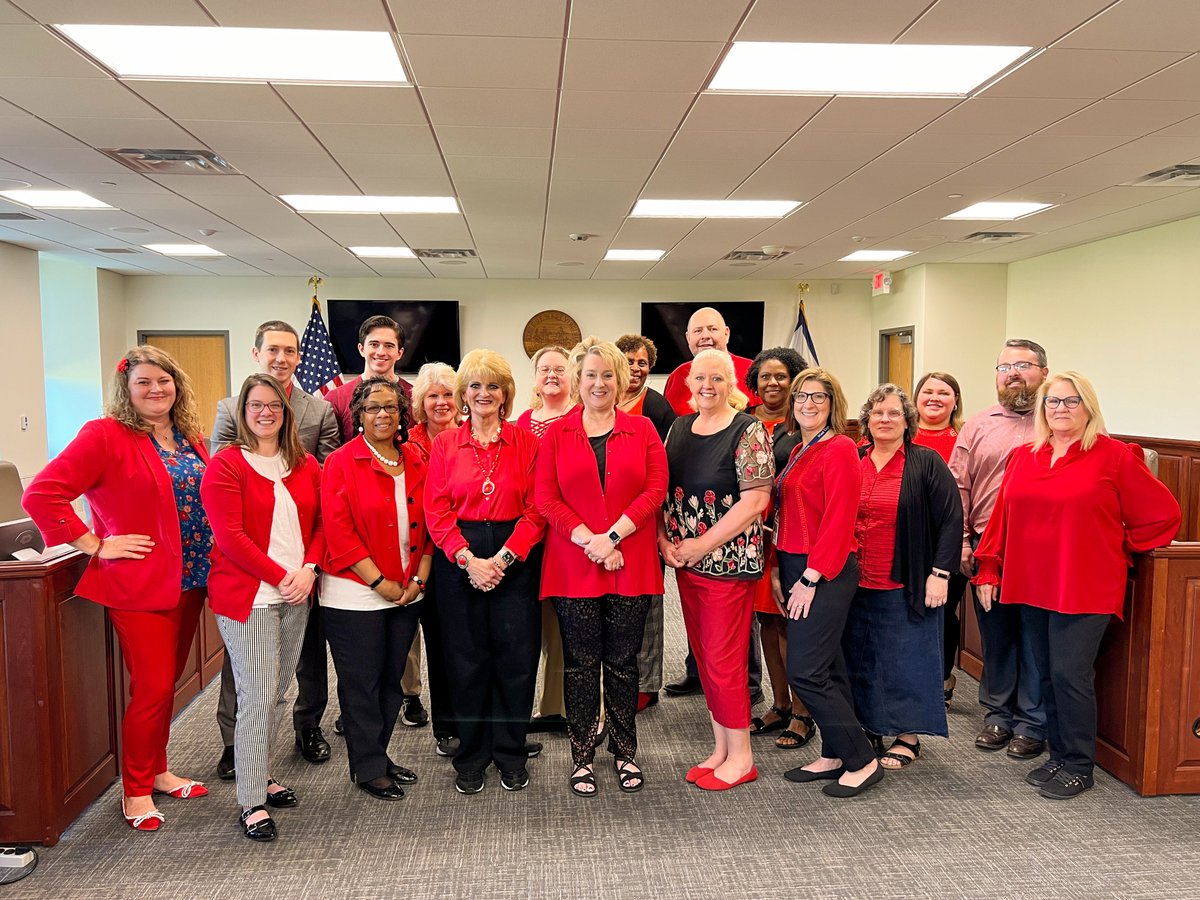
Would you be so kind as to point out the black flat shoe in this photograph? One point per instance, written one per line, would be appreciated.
(469, 783)
(225, 768)
(284, 799)
(683, 687)
(533, 749)
(802, 775)
(401, 775)
(262, 830)
(412, 713)
(845, 791)
(515, 781)
(448, 745)
(312, 745)
(391, 791)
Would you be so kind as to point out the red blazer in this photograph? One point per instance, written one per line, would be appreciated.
(568, 492)
(129, 491)
(358, 504)
(241, 506)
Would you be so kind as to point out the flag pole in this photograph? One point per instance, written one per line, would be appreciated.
(315, 282)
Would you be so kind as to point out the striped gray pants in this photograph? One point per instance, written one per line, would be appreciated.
(263, 651)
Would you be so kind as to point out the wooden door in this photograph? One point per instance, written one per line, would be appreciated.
(896, 358)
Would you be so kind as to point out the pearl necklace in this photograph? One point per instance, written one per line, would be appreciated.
(379, 456)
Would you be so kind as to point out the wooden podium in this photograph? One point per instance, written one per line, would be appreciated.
(63, 697)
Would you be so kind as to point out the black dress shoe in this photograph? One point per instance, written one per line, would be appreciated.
(312, 745)
(1024, 747)
(1065, 785)
(802, 775)
(337, 726)
(390, 791)
(447, 745)
(225, 768)
(552, 722)
(469, 783)
(845, 791)
(993, 737)
(1043, 773)
(412, 713)
(262, 830)
(284, 799)
(533, 749)
(402, 775)
(515, 781)
(683, 687)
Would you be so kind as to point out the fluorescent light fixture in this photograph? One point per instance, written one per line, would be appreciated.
(635, 255)
(204, 53)
(383, 252)
(54, 199)
(999, 209)
(876, 255)
(354, 204)
(922, 70)
(715, 209)
(183, 249)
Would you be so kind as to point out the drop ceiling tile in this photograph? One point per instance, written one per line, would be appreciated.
(389, 175)
(656, 234)
(826, 146)
(632, 65)
(402, 140)
(1085, 74)
(29, 132)
(396, 268)
(346, 15)
(82, 97)
(340, 104)
(215, 102)
(118, 12)
(925, 146)
(1027, 23)
(472, 268)
(1004, 115)
(529, 18)
(786, 179)
(256, 137)
(579, 143)
(468, 140)
(433, 232)
(1055, 151)
(739, 148)
(624, 110)
(1186, 128)
(879, 115)
(357, 231)
(62, 161)
(692, 180)
(1180, 81)
(1127, 117)
(32, 50)
(475, 167)
(752, 112)
(484, 106)
(113, 186)
(609, 169)
(1163, 24)
(484, 62)
(667, 20)
(850, 21)
(199, 186)
(257, 164)
(117, 133)
(307, 184)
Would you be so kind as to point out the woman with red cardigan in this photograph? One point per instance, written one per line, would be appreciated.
(378, 561)
(601, 479)
(262, 494)
(139, 468)
(1072, 507)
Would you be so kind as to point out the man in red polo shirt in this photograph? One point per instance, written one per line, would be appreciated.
(706, 328)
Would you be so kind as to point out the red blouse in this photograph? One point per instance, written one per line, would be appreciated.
(875, 528)
(1060, 537)
(940, 441)
(525, 420)
(454, 492)
(819, 504)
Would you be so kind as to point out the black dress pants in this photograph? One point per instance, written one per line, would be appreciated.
(441, 708)
(491, 642)
(952, 624)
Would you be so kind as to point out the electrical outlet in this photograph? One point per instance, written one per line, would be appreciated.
(24, 422)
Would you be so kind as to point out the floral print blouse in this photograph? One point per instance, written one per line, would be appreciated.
(186, 468)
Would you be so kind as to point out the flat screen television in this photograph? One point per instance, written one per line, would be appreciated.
(430, 331)
(666, 325)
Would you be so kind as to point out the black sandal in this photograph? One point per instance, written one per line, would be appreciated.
(627, 776)
(800, 739)
(588, 777)
(948, 692)
(262, 830)
(759, 726)
(900, 758)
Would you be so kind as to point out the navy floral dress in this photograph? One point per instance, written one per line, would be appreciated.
(186, 468)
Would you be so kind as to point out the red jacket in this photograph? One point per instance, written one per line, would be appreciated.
(358, 506)
(129, 491)
(241, 507)
(568, 493)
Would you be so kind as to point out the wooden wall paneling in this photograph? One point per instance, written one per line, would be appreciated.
(1179, 470)
(1179, 745)
(1121, 690)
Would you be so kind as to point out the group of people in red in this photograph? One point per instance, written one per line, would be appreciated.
(396, 506)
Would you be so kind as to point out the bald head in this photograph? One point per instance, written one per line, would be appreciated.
(706, 328)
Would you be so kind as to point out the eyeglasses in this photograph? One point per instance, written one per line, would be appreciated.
(560, 371)
(781, 377)
(257, 406)
(1004, 368)
(372, 410)
(818, 397)
(887, 414)
(1068, 402)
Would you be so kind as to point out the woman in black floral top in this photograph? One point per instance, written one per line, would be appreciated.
(721, 469)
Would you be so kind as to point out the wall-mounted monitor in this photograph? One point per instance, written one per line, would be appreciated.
(430, 331)
(666, 325)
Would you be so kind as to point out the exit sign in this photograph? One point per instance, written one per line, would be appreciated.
(881, 283)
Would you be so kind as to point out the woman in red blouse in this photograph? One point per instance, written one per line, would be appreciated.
(434, 410)
(483, 518)
(379, 556)
(1071, 509)
(601, 479)
(262, 494)
(139, 468)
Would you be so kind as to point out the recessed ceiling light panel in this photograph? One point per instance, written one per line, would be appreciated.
(635, 255)
(359, 205)
(715, 209)
(183, 249)
(382, 252)
(204, 53)
(876, 255)
(999, 210)
(54, 199)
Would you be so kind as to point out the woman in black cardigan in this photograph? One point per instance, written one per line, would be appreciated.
(909, 531)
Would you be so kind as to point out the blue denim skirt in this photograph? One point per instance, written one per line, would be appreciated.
(895, 665)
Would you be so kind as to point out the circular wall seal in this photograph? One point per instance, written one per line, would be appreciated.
(551, 326)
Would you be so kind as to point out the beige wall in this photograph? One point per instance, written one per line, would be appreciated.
(964, 328)
(21, 350)
(110, 301)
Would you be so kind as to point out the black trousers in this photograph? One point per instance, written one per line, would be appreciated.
(491, 643)
(952, 624)
(441, 709)
(370, 650)
(816, 664)
(601, 633)
(1065, 646)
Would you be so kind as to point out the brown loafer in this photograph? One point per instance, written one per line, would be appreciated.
(993, 737)
(1024, 747)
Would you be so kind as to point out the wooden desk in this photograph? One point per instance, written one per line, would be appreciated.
(63, 695)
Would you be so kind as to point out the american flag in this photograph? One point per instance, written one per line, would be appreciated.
(319, 371)
(801, 337)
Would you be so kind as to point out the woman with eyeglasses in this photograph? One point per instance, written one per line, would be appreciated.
(379, 557)
(909, 531)
(1073, 506)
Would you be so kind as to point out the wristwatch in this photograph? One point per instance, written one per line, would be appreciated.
(808, 584)
(316, 570)
(614, 537)
(938, 573)
(507, 557)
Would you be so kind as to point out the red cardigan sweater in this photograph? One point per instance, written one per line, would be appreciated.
(568, 493)
(358, 506)
(241, 507)
(819, 505)
(129, 491)
(1060, 537)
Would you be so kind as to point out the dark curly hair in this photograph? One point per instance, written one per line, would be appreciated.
(631, 343)
(791, 358)
(363, 390)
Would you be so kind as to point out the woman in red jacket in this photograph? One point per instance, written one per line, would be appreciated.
(1072, 507)
(601, 478)
(139, 468)
(262, 494)
(377, 564)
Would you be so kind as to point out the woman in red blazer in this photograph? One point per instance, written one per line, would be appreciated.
(139, 468)
(378, 560)
(601, 480)
(262, 494)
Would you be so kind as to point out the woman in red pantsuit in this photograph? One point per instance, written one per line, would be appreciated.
(139, 468)
(721, 470)
(601, 479)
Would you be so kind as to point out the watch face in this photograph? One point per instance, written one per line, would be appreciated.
(509, 557)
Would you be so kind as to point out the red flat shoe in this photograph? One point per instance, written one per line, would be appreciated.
(711, 782)
(695, 773)
(150, 821)
(191, 790)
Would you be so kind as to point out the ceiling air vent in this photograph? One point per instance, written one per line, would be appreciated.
(172, 162)
(446, 254)
(1172, 176)
(17, 217)
(995, 237)
(754, 256)
(114, 250)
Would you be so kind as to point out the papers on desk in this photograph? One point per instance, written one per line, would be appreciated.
(28, 554)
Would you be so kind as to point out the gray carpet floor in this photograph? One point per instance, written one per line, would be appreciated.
(957, 823)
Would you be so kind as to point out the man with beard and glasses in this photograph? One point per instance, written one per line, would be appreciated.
(1010, 690)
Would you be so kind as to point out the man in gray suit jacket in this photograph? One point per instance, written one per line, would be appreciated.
(277, 352)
